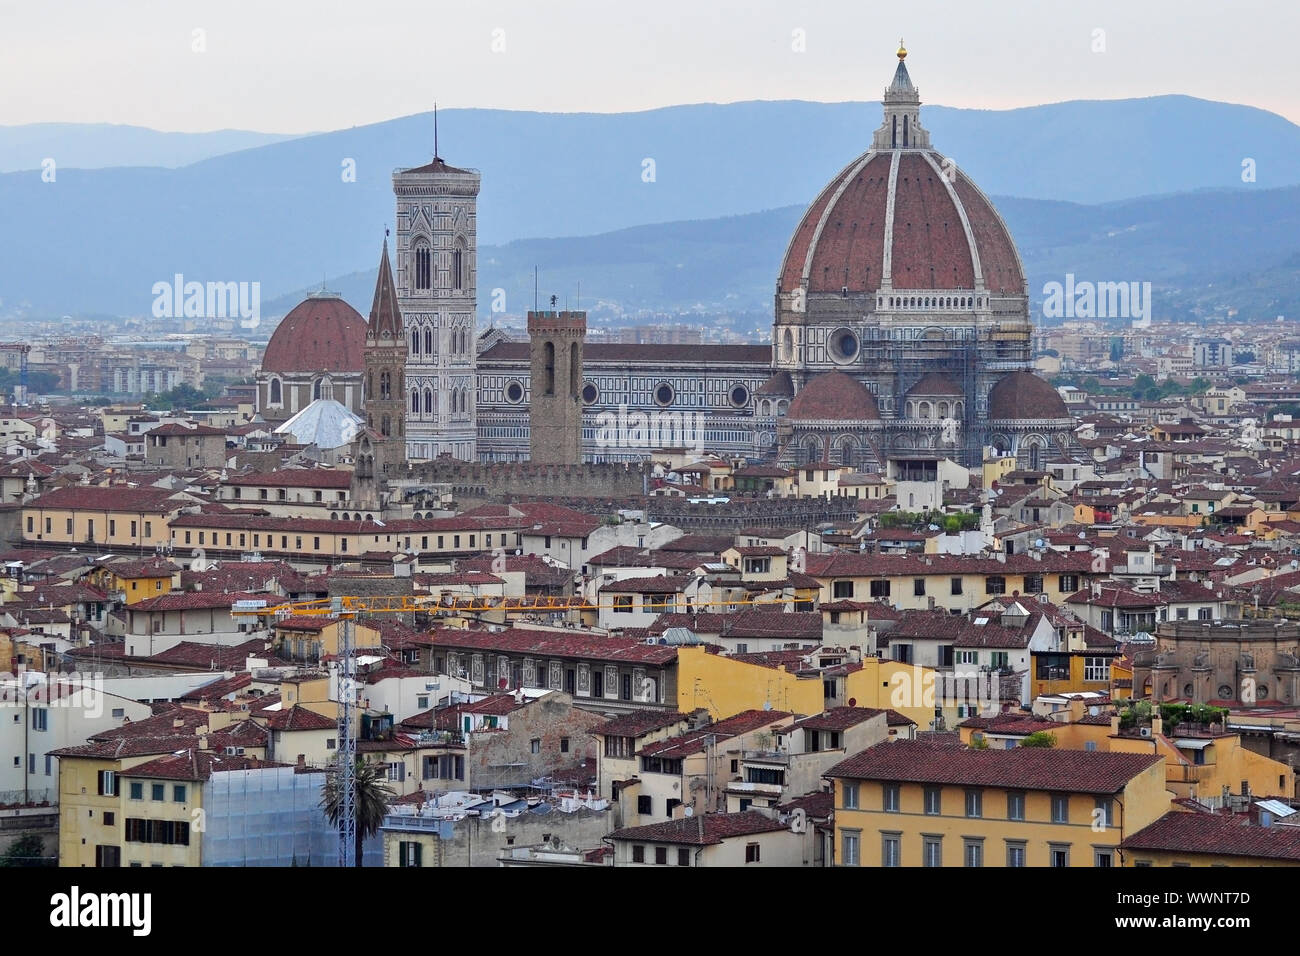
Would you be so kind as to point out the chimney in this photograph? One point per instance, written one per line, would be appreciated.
(1157, 725)
(302, 761)
(178, 723)
(203, 741)
(1114, 725)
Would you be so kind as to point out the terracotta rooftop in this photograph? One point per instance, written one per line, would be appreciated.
(1021, 768)
(703, 829)
(1200, 834)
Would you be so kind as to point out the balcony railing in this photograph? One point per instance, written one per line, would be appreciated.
(765, 756)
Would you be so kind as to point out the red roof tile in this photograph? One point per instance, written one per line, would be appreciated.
(703, 829)
(551, 644)
(1200, 834)
(1021, 768)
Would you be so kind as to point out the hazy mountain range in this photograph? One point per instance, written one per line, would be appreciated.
(99, 145)
(1201, 251)
(95, 240)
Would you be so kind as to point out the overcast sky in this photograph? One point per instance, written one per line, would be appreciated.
(288, 66)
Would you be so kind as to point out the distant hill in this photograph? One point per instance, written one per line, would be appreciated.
(100, 145)
(1201, 251)
(96, 240)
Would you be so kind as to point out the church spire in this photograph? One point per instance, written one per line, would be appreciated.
(385, 316)
(902, 82)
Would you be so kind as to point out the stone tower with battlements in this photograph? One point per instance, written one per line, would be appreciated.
(556, 342)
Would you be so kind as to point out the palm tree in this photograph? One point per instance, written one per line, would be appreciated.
(372, 796)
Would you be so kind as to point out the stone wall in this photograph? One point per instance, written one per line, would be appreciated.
(472, 483)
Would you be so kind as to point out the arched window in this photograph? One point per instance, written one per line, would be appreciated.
(273, 393)
(385, 426)
(1035, 457)
(458, 265)
(548, 365)
(847, 450)
(385, 385)
(905, 132)
(428, 401)
(415, 343)
(943, 409)
(415, 402)
(575, 380)
(423, 265)
(923, 410)
(315, 389)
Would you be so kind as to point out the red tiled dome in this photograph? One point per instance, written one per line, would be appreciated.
(1023, 395)
(834, 396)
(841, 240)
(321, 334)
(934, 384)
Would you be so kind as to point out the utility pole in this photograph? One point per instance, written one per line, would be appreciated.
(347, 744)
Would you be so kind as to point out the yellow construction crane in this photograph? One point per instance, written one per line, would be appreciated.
(347, 607)
(353, 605)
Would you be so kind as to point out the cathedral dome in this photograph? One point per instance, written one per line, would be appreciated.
(1023, 395)
(321, 334)
(843, 239)
(904, 211)
(834, 396)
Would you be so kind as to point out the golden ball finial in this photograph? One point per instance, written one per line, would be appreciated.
(902, 50)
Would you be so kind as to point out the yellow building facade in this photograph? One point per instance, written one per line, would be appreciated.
(921, 804)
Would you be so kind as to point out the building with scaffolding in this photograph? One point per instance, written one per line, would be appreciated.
(902, 316)
(901, 331)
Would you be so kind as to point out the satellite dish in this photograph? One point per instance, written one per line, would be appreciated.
(853, 702)
(688, 812)
(1038, 543)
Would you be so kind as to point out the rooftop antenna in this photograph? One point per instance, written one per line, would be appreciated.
(579, 306)
(435, 131)
(534, 288)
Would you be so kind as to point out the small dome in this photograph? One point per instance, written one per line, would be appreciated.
(779, 384)
(322, 334)
(1023, 395)
(932, 385)
(834, 396)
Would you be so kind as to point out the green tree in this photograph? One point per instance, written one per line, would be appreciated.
(1039, 738)
(27, 850)
(371, 800)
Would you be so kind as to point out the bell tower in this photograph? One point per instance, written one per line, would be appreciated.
(436, 271)
(385, 381)
(556, 341)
